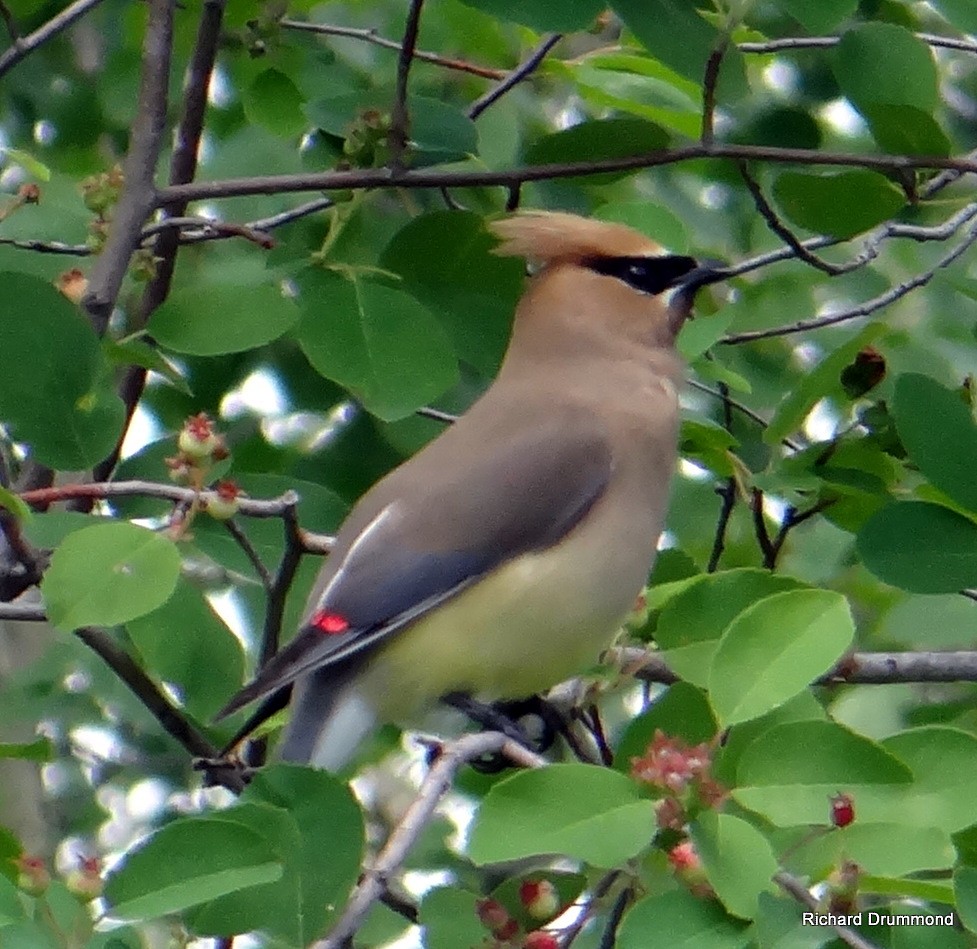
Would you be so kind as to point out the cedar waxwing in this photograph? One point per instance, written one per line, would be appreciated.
(505, 555)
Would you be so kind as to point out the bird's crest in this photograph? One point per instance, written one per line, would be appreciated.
(547, 237)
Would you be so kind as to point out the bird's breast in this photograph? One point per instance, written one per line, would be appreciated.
(536, 620)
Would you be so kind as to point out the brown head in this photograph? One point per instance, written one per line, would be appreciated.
(595, 277)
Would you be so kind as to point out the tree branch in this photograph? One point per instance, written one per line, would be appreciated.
(862, 309)
(399, 133)
(27, 44)
(793, 887)
(381, 178)
(172, 720)
(860, 668)
(825, 42)
(371, 36)
(249, 507)
(512, 79)
(138, 197)
(438, 781)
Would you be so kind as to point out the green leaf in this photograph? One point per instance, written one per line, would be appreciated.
(776, 648)
(883, 63)
(12, 503)
(137, 352)
(938, 431)
(324, 808)
(108, 574)
(210, 319)
(439, 132)
(920, 547)
(29, 163)
(691, 624)
(28, 934)
(598, 140)
(960, 13)
(449, 919)
(822, 381)
(906, 130)
(297, 809)
(965, 895)
(274, 101)
(445, 261)
(556, 16)
(653, 221)
(839, 204)
(189, 862)
(674, 32)
(185, 643)
(40, 749)
(11, 905)
(582, 812)
(702, 333)
(821, 17)
(681, 921)
(870, 846)
(683, 711)
(737, 860)
(781, 757)
(637, 85)
(378, 342)
(55, 394)
(943, 764)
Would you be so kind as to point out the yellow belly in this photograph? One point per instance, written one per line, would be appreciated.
(532, 623)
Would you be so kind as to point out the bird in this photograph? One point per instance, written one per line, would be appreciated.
(505, 555)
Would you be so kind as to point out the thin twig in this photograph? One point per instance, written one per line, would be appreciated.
(277, 593)
(138, 197)
(183, 166)
(370, 35)
(601, 889)
(399, 133)
(862, 309)
(436, 414)
(793, 887)
(760, 529)
(193, 230)
(452, 757)
(512, 79)
(608, 938)
(741, 408)
(249, 507)
(171, 719)
(779, 228)
(244, 542)
(13, 31)
(871, 243)
(367, 178)
(727, 494)
(824, 42)
(726, 491)
(860, 668)
(709, 80)
(27, 44)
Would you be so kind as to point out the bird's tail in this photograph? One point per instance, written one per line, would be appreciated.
(330, 719)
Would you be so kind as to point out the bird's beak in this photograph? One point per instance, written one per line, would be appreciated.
(708, 271)
(684, 289)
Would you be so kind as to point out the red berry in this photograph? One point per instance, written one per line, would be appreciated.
(540, 940)
(842, 810)
(540, 899)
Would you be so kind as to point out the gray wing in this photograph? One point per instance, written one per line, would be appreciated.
(449, 516)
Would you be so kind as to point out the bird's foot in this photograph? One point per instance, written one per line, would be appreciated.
(530, 722)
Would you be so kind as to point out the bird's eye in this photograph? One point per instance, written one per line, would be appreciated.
(645, 274)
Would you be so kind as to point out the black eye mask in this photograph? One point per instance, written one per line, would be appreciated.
(645, 274)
